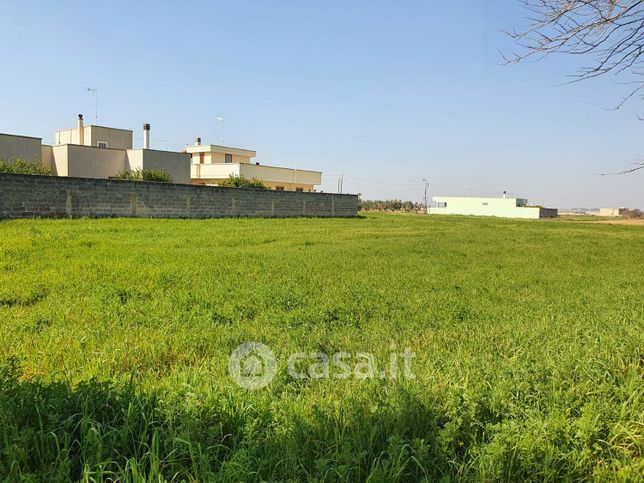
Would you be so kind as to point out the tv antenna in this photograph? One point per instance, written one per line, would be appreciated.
(94, 90)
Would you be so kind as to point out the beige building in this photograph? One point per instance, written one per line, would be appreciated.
(26, 148)
(104, 152)
(611, 212)
(211, 164)
(95, 152)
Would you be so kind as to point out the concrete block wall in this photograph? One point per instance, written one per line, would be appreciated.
(24, 196)
(548, 212)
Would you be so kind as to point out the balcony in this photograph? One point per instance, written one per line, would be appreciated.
(272, 174)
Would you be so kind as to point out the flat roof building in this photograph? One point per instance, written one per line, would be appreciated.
(90, 151)
(611, 211)
(503, 207)
(212, 164)
(95, 152)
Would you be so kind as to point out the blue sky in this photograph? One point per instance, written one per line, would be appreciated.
(387, 93)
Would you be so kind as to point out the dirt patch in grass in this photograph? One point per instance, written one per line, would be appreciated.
(623, 221)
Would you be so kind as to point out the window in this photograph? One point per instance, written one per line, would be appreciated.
(102, 144)
(279, 188)
(485, 203)
(202, 157)
(442, 204)
(299, 189)
(229, 158)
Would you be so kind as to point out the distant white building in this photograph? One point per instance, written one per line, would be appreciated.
(502, 207)
(611, 212)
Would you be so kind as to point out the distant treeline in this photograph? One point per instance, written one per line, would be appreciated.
(391, 205)
(633, 213)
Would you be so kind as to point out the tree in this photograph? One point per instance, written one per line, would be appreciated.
(243, 182)
(392, 205)
(610, 31)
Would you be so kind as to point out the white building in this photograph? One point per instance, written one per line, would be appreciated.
(611, 211)
(502, 207)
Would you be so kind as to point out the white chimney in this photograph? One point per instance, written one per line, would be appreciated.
(81, 130)
(198, 142)
(505, 194)
(146, 136)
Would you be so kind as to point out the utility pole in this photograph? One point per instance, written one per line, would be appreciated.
(94, 91)
(222, 120)
(425, 196)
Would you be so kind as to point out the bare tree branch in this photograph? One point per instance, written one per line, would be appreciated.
(609, 31)
(638, 165)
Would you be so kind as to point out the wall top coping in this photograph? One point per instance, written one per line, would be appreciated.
(63, 179)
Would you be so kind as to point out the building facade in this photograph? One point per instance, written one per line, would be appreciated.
(95, 152)
(611, 212)
(211, 164)
(478, 206)
(103, 152)
(26, 148)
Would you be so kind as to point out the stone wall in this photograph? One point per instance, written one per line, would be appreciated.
(548, 212)
(23, 196)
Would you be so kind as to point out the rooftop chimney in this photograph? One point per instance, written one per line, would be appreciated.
(146, 136)
(198, 142)
(505, 194)
(81, 130)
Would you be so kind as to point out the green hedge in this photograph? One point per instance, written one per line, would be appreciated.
(20, 166)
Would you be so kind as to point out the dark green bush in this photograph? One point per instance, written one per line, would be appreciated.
(243, 182)
(158, 175)
(20, 166)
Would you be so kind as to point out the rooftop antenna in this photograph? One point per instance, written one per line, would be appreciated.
(94, 90)
(161, 141)
(426, 183)
(221, 119)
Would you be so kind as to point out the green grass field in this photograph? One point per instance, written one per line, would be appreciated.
(116, 335)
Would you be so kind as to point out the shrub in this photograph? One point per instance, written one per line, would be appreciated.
(628, 213)
(20, 166)
(243, 182)
(158, 175)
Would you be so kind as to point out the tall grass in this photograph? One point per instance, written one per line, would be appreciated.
(116, 335)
